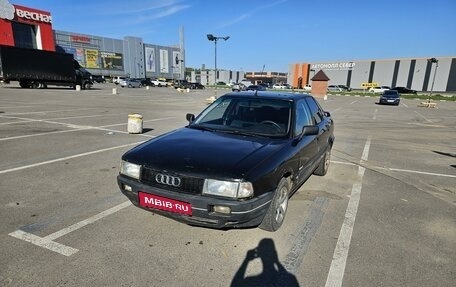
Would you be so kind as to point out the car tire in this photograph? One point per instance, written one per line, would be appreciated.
(323, 166)
(275, 215)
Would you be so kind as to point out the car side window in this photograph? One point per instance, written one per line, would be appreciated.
(315, 110)
(303, 117)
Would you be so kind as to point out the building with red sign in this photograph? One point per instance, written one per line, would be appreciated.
(32, 28)
(27, 28)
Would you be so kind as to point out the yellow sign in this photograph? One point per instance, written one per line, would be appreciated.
(92, 58)
(369, 85)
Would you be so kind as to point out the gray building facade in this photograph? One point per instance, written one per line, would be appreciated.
(413, 73)
(129, 57)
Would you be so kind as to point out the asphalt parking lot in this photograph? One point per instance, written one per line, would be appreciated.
(384, 215)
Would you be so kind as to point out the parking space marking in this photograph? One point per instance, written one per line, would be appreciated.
(45, 112)
(48, 241)
(426, 119)
(374, 117)
(337, 268)
(44, 243)
(418, 172)
(34, 120)
(66, 158)
(397, 169)
(80, 128)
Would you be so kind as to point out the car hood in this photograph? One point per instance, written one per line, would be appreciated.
(193, 151)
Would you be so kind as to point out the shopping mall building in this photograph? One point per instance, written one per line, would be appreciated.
(414, 73)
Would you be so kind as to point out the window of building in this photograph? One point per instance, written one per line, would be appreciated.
(24, 35)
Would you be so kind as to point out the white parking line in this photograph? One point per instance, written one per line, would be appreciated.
(397, 169)
(48, 241)
(35, 120)
(428, 120)
(337, 269)
(80, 128)
(45, 112)
(66, 158)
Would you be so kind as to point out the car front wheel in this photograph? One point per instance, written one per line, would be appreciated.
(323, 166)
(278, 208)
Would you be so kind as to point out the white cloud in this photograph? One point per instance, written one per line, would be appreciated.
(6, 10)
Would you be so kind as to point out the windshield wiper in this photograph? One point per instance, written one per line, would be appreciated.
(241, 133)
(200, 127)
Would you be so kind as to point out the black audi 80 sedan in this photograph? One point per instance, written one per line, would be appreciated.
(234, 165)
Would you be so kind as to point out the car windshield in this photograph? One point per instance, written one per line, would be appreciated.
(247, 116)
(391, 94)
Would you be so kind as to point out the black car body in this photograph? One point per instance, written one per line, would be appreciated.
(198, 86)
(404, 90)
(235, 165)
(256, 88)
(389, 97)
(147, 82)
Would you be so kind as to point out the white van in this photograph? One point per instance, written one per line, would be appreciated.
(117, 80)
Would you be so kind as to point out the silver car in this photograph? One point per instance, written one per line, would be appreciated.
(131, 83)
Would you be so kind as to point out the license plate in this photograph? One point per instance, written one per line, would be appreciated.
(390, 101)
(163, 203)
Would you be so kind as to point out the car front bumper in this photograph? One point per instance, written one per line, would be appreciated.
(389, 102)
(246, 213)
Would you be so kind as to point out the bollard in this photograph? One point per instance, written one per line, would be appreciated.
(135, 124)
(147, 87)
(114, 91)
(78, 87)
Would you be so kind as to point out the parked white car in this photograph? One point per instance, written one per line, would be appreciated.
(307, 88)
(159, 83)
(281, 86)
(380, 89)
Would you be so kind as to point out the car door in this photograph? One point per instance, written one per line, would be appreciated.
(308, 145)
(324, 124)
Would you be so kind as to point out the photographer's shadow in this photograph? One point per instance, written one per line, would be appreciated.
(274, 274)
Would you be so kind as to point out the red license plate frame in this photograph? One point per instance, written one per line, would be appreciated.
(163, 203)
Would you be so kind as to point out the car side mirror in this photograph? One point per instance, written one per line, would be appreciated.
(327, 114)
(308, 131)
(190, 118)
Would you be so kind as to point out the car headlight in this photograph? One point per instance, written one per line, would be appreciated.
(130, 169)
(231, 189)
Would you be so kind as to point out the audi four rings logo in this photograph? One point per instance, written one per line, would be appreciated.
(168, 180)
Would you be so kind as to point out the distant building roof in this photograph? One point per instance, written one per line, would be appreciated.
(320, 76)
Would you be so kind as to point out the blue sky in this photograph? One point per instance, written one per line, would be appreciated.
(273, 33)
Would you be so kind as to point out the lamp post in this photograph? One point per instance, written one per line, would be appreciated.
(211, 37)
(433, 60)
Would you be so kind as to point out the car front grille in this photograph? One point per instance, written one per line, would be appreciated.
(188, 184)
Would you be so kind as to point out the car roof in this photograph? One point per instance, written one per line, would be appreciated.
(269, 95)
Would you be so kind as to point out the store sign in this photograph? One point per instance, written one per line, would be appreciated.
(334, 66)
(80, 39)
(33, 15)
(369, 85)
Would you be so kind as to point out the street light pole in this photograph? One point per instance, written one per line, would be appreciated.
(433, 60)
(211, 37)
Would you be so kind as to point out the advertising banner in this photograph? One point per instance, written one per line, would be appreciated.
(112, 61)
(92, 59)
(80, 56)
(177, 62)
(164, 64)
(150, 59)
